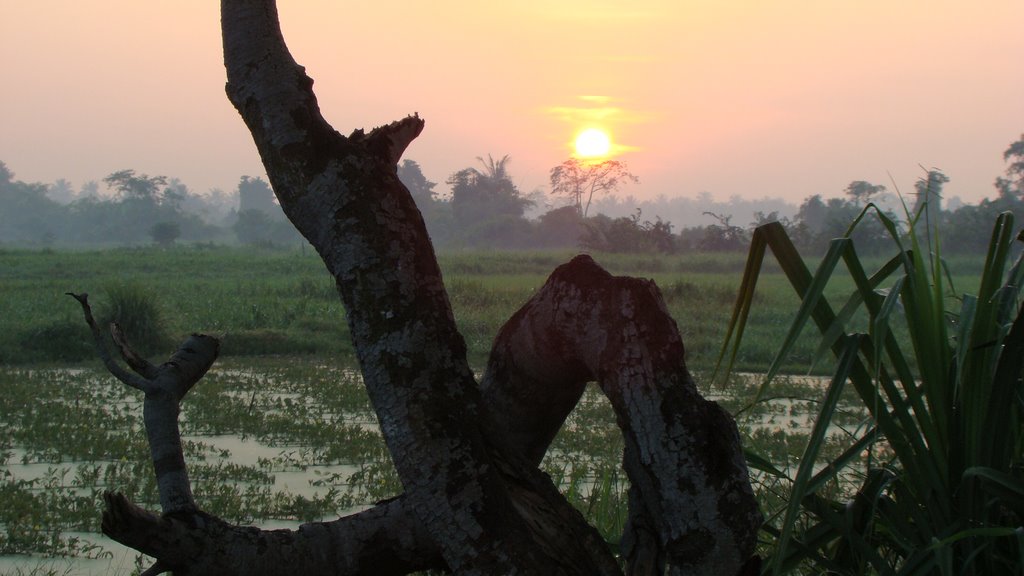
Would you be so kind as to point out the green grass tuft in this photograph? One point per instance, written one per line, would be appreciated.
(136, 310)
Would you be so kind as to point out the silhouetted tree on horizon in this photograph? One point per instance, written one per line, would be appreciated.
(579, 179)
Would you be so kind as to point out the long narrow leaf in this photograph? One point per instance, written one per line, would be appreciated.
(744, 302)
(864, 294)
(1000, 414)
(814, 444)
(758, 462)
(1007, 487)
(844, 459)
(856, 548)
(810, 298)
(880, 321)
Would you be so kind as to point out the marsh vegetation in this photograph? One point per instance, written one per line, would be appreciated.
(281, 432)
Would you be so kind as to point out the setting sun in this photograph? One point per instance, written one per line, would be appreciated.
(593, 143)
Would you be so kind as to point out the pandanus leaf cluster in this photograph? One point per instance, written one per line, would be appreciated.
(942, 491)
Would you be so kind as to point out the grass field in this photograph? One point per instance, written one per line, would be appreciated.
(278, 302)
(264, 302)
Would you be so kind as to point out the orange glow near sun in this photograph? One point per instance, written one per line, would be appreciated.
(593, 143)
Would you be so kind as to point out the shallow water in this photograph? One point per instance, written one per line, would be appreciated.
(294, 430)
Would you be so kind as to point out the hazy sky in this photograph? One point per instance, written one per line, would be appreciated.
(749, 98)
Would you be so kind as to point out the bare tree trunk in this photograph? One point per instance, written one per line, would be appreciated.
(474, 501)
(343, 194)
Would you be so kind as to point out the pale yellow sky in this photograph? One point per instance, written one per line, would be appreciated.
(749, 98)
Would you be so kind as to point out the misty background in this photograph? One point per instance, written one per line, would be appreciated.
(482, 207)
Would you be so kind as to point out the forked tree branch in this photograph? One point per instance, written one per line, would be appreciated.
(100, 343)
(136, 362)
(164, 388)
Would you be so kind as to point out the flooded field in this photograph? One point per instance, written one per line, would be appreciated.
(275, 443)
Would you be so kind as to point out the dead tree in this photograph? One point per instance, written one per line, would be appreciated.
(474, 501)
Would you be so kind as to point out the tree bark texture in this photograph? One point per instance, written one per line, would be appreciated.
(474, 501)
(691, 506)
(343, 194)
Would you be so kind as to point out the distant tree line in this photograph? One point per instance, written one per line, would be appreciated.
(487, 210)
(139, 209)
(964, 229)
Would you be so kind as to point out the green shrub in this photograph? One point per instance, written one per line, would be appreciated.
(933, 483)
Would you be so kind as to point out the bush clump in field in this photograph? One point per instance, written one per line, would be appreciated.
(137, 311)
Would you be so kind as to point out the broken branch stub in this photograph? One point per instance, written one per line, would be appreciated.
(692, 508)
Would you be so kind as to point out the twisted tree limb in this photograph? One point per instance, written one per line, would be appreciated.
(683, 454)
(383, 540)
(380, 541)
